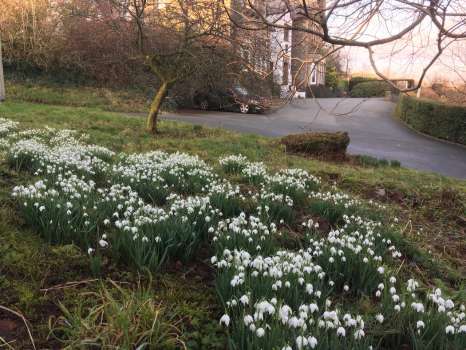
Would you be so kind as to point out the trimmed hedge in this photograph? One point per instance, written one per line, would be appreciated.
(437, 119)
(358, 80)
(370, 89)
(317, 144)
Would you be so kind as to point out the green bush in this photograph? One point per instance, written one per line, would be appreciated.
(368, 161)
(333, 144)
(437, 119)
(357, 80)
(370, 89)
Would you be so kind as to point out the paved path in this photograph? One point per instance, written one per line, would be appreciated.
(373, 130)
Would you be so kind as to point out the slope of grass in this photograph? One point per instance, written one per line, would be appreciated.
(431, 209)
(130, 100)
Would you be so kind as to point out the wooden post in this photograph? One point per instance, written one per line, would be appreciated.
(2, 81)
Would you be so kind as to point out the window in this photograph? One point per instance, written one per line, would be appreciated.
(286, 66)
(313, 74)
(286, 34)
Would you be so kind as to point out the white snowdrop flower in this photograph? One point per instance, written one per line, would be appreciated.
(103, 243)
(462, 329)
(90, 251)
(248, 320)
(419, 307)
(301, 342)
(449, 304)
(395, 298)
(341, 332)
(450, 329)
(441, 308)
(312, 341)
(420, 324)
(397, 308)
(378, 294)
(313, 308)
(287, 347)
(309, 289)
(359, 334)
(392, 280)
(381, 270)
(346, 288)
(41, 208)
(379, 318)
(106, 222)
(225, 319)
(244, 300)
(260, 332)
(365, 260)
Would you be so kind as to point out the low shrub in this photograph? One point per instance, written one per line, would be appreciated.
(437, 119)
(370, 89)
(358, 80)
(368, 161)
(317, 144)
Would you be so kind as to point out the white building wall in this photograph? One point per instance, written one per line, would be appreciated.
(280, 50)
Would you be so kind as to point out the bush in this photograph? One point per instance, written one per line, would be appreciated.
(437, 119)
(368, 161)
(357, 80)
(370, 89)
(333, 144)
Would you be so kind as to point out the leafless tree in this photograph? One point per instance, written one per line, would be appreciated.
(368, 24)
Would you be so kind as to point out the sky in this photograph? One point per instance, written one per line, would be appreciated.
(405, 58)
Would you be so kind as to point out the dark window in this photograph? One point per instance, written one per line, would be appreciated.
(286, 34)
(285, 72)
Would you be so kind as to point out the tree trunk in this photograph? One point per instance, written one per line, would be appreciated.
(152, 118)
(2, 81)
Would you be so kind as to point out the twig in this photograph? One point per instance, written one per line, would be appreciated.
(3, 342)
(4, 308)
(68, 285)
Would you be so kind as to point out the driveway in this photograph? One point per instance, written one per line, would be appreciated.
(370, 124)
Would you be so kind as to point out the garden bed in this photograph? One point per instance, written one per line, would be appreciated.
(295, 262)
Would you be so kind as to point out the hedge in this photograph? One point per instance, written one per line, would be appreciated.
(437, 119)
(318, 144)
(358, 80)
(370, 89)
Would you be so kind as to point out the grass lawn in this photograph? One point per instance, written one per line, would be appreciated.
(41, 281)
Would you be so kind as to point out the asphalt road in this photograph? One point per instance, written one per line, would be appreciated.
(370, 123)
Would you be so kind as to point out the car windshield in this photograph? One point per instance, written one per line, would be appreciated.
(240, 90)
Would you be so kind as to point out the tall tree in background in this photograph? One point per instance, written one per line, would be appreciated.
(2, 80)
(423, 28)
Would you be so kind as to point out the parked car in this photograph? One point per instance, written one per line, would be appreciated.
(237, 99)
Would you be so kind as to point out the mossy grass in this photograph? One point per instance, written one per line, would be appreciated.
(433, 202)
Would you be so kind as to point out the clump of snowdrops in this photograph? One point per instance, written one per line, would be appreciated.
(339, 289)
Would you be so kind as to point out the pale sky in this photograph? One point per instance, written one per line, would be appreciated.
(405, 58)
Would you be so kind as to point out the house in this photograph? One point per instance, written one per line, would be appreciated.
(296, 57)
